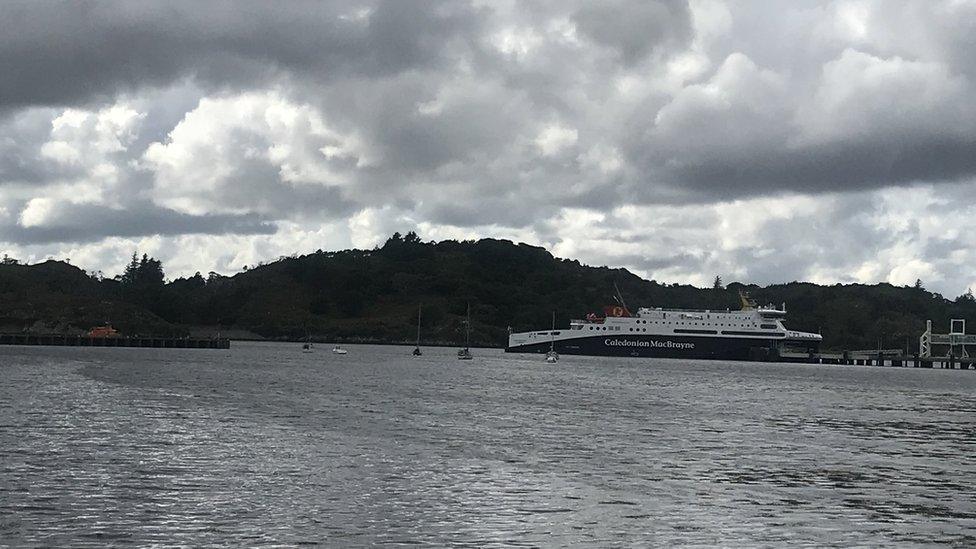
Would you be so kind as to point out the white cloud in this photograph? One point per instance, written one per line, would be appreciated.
(229, 153)
(37, 212)
(860, 95)
(554, 139)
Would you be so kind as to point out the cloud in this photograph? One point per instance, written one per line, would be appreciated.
(251, 153)
(758, 140)
(45, 220)
(635, 29)
(66, 54)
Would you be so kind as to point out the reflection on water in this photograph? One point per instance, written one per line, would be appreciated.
(264, 444)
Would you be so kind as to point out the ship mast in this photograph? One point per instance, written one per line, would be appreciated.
(620, 298)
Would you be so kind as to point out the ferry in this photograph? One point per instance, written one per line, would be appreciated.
(752, 333)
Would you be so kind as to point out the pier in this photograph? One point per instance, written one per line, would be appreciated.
(62, 340)
(955, 346)
(899, 360)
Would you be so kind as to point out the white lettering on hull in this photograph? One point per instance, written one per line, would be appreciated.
(666, 344)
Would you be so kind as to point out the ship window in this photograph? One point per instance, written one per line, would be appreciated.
(767, 326)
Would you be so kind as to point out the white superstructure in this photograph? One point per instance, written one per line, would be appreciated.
(677, 329)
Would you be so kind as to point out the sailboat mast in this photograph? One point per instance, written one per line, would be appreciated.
(467, 329)
(418, 324)
(552, 336)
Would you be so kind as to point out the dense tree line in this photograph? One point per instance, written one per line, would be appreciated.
(373, 295)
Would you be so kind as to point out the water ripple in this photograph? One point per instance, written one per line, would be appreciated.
(264, 445)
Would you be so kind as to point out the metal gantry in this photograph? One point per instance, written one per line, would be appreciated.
(956, 340)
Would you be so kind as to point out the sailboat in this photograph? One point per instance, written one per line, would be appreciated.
(307, 346)
(552, 356)
(465, 353)
(416, 350)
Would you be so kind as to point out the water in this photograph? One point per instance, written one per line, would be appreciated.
(266, 445)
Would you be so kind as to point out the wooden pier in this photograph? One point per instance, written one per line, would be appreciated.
(899, 360)
(62, 340)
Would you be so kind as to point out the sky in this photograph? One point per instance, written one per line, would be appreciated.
(757, 140)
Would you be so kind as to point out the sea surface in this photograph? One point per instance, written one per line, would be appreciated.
(264, 445)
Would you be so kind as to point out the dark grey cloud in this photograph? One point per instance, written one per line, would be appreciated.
(20, 137)
(636, 29)
(55, 53)
(66, 222)
(833, 167)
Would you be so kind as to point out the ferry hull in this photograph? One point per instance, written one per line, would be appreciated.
(669, 346)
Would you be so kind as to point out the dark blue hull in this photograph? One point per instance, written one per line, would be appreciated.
(663, 346)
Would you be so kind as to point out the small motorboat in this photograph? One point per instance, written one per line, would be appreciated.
(552, 357)
(339, 350)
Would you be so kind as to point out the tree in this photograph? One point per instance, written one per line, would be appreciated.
(717, 285)
(966, 297)
(131, 271)
(918, 284)
(150, 271)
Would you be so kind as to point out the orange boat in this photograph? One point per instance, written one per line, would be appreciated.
(104, 331)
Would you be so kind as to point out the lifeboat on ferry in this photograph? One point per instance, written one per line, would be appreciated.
(616, 311)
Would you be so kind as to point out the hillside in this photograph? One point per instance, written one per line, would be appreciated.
(373, 295)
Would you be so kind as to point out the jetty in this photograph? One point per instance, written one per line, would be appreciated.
(894, 358)
(947, 351)
(64, 340)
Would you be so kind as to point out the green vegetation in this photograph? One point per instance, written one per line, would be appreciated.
(372, 295)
